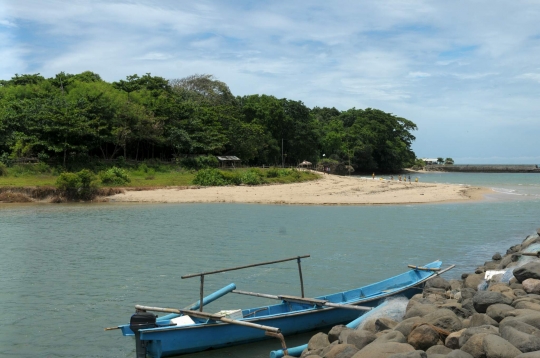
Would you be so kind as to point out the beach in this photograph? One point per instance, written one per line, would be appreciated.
(327, 190)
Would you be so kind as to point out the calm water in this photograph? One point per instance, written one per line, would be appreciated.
(68, 271)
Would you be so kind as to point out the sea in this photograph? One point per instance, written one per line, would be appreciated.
(67, 271)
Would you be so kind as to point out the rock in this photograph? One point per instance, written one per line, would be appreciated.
(528, 305)
(483, 299)
(318, 341)
(445, 319)
(496, 257)
(344, 335)
(522, 331)
(335, 332)
(529, 355)
(392, 336)
(342, 351)
(438, 282)
(469, 332)
(505, 262)
(423, 337)
(475, 345)
(405, 326)
(383, 350)
(529, 240)
(328, 348)
(438, 349)
(472, 281)
(456, 284)
(468, 306)
(415, 354)
(516, 285)
(384, 323)
(529, 270)
(502, 288)
(498, 311)
(360, 338)
(531, 285)
(481, 319)
(521, 340)
(467, 293)
(491, 265)
(457, 308)
(515, 248)
(480, 270)
(519, 292)
(495, 346)
(464, 276)
(452, 341)
(369, 325)
(458, 354)
(419, 310)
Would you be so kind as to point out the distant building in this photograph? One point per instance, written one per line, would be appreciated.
(430, 161)
(229, 161)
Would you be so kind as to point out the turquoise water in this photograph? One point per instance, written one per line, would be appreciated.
(68, 271)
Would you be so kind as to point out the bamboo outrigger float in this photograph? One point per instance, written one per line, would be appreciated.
(190, 330)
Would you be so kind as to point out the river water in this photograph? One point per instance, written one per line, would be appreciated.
(68, 271)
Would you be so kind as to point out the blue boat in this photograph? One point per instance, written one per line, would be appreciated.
(188, 331)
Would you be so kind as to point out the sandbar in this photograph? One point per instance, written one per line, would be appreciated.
(327, 190)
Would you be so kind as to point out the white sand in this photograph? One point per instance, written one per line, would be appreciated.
(328, 190)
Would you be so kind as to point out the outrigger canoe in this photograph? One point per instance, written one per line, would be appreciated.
(185, 331)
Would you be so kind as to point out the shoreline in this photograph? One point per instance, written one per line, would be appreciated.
(327, 190)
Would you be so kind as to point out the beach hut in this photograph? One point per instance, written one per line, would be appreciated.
(305, 164)
(228, 161)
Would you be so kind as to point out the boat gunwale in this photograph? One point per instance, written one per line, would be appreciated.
(310, 310)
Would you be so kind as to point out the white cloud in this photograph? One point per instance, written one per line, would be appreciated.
(418, 74)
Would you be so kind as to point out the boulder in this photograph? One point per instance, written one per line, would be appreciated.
(360, 338)
(527, 305)
(445, 319)
(457, 308)
(529, 270)
(468, 306)
(342, 351)
(496, 257)
(531, 285)
(391, 336)
(438, 349)
(519, 292)
(515, 248)
(383, 323)
(456, 284)
(423, 337)
(438, 282)
(516, 285)
(369, 325)
(458, 354)
(415, 354)
(473, 280)
(452, 341)
(328, 348)
(505, 262)
(498, 311)
(335, 332)
(482, 319)
(521, 340)
(495, 346)
(467, 293)
(475, 345)
(344, 335)
(383, 350)
(483, 299)
(405, 326)
(419, 310)
(318, 341)
(502, 288)
(469, 332)
(529, 355)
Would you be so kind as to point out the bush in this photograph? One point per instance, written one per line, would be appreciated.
(209, 177)
(272, 172)
(115, 176)
(3, 169)
(81, 185)
(232, 177)
(251, 177)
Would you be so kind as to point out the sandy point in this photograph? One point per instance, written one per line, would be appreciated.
(327, 190)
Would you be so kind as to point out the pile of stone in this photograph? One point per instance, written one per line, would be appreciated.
(463, 318)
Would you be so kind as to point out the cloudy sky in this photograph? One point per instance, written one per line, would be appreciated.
(466, 72)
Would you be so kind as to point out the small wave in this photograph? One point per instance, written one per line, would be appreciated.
(505, 191)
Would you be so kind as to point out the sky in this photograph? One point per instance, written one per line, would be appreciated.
(466, 72)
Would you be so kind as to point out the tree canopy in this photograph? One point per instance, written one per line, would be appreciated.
(73, 117)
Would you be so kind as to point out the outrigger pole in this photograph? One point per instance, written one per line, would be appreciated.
(202, 274)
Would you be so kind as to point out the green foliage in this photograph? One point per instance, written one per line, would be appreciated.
(209, 177)
(253, 176)
(232, 177)
(449, 161)
(200, 162)
(115, 176)
(418, 164)
(3, 169)
(77, 186)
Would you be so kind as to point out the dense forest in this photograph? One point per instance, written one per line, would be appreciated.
(78, 118)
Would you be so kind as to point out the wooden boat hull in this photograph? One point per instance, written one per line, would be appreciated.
(291, 318)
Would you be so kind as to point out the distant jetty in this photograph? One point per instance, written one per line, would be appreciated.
(484, 168)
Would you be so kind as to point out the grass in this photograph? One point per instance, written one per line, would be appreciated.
(32, 175)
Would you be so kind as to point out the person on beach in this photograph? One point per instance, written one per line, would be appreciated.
(328, 168)
(409, 178)
(392, 177)
(416, 180)
(373, 175)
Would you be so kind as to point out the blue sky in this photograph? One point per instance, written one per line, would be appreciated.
(466, 72)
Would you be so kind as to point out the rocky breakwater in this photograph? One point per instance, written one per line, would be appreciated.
(471, 317)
